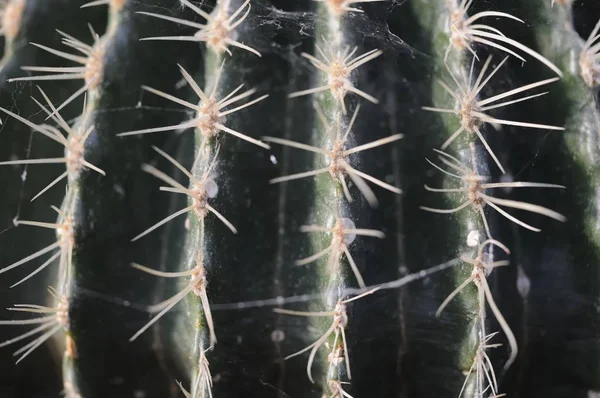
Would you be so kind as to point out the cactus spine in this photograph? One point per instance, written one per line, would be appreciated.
(219, 102)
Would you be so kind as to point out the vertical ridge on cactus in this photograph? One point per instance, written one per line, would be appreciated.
(90, 72)
(211, 115)
(463, 31)
(88, 135)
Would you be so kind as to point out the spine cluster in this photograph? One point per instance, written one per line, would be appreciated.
(73, 138)
(337, 63)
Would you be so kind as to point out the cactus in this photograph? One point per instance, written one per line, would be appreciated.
(329, 198)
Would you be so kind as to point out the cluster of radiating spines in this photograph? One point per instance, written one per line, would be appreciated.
(91, 66)
(465, 30)
(483, 264)
(339, 349)
(474, 188)
(343, 233)
(203, 381)
(52, 319)
(11, 12)
(337, 65)
(71, 138)
(337, 158)
(61, 249)
(486, 382)
(48, 321)
(219, 30)
(589, 59)
(210, 113)
(473, 112)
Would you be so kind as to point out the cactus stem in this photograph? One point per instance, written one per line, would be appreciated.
(463, 31)
(338, 8)
(339, 164)
(471, 111)
(74, 143)
(210, 115)
(57, 320)
(338, 66)
(476, 197)
(91, 70)
(218, 32)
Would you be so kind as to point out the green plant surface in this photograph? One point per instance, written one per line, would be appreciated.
(297, 198)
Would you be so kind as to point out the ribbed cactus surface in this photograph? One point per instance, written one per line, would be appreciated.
(298, 198)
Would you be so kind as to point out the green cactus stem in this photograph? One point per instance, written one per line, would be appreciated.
(221, 198)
